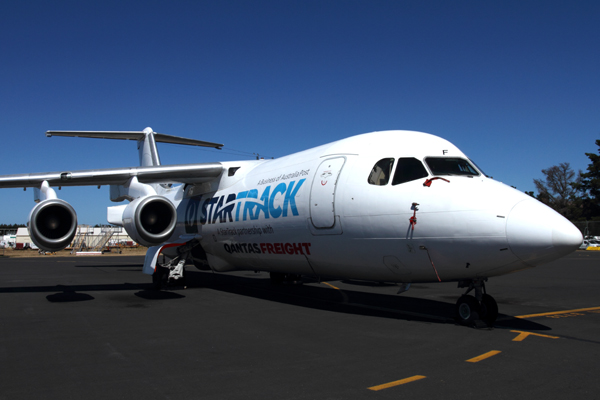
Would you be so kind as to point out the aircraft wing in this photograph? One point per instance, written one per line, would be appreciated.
(186, 173)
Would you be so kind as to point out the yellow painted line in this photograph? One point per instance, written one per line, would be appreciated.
(330, 285)
(397, 383)
(484, 356)
(344, 295)
(557, 312)
(522, 335)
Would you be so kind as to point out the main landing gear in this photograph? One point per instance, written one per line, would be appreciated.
(472, 309)
(169, 275)
(173, 272)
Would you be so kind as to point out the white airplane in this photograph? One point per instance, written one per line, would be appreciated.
(392, 206)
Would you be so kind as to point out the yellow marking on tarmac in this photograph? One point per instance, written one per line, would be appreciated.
(557, 312)
(397, 383)
(523, 335)
(344, 295)
(330, 285)
(484, 356)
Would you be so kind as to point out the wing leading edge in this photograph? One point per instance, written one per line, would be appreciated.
(187, 173)
(149, 172)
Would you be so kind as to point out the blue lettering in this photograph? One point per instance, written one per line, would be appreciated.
(240, 195)
(290, 197)
(203, 213)
(249, 205)
(217, 208)
(276, 212)
(191, 214)
(264, 207)
(218, 212)
(211, 203)
(228, 210)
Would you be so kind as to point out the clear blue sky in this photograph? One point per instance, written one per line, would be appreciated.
(514, 84)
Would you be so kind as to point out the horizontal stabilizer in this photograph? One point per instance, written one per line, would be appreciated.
(134, 135)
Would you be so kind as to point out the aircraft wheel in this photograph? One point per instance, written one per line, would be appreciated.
(277, 278)
(159, 277)
(489, 309)
(467, 310)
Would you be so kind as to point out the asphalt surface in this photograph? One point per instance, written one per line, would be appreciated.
(73, 328)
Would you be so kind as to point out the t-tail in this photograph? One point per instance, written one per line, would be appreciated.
(146, 141)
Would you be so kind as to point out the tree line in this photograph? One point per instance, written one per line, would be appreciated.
(11, 226)
(576, 196)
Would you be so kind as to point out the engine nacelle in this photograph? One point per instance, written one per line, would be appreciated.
(52, 224)
(150, 220)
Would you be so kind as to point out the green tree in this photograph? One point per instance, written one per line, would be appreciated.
(589, 186)
(557, 190)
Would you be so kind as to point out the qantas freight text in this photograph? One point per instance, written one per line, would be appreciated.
(269, 248)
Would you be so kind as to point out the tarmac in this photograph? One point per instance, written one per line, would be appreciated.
(91, 327)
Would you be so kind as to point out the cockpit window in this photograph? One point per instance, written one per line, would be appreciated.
(409, 169)
(381, 172)
(478, 167)
(450, 166)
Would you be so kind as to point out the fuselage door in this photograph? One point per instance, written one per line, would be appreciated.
(322, 194)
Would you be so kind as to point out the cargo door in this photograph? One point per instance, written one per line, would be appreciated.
(322, 194)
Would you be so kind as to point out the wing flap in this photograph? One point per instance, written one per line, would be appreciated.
(186, 173)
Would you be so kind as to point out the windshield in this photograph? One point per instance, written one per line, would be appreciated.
(409, 169)
(380, 174)
(450, 166)
(478, 167)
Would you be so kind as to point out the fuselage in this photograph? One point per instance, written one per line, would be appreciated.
(394, 206)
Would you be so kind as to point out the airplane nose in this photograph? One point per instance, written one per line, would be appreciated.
(537, 234)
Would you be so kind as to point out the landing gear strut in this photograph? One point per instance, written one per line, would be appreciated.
(481, 307)
(172, 273)
(169, 274)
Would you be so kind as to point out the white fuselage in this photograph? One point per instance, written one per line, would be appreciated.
(315, 212)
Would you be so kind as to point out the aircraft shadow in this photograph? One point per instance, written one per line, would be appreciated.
(318, 297)
(137, 266)
(74, 293)
(347, 301)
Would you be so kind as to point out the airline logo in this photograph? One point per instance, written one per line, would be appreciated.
(269, 248)
(244, 206)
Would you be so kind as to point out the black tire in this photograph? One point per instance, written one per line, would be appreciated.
(159, 277)
(467, 310)
(277, 278)
(489, 309)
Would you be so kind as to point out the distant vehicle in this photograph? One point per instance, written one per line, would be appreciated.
(589, 243)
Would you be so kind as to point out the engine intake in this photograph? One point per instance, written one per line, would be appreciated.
(150, 220)
(52, 224)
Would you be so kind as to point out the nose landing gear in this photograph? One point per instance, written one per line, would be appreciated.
(481, 307)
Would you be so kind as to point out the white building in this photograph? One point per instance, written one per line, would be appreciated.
(86, 237)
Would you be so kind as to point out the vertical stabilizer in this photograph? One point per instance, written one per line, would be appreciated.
(147, 149)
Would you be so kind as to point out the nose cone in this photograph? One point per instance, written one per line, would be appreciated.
(537, 234)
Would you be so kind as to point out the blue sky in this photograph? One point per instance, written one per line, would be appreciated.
(514, 84)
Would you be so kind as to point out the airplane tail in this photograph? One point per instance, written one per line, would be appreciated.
(147, 149)
(146, 139)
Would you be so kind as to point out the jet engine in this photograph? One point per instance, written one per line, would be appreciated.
(52, 224)
(150, 220)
